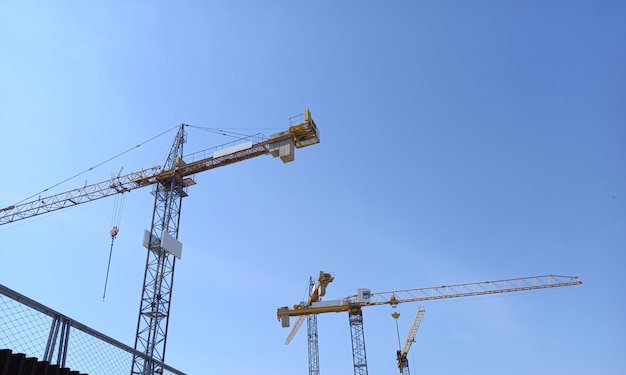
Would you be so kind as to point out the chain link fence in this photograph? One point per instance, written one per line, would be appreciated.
(31, 328)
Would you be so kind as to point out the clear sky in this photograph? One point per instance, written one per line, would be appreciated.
(462, 141)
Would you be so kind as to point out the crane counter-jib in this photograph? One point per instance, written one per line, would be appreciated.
(279, 145)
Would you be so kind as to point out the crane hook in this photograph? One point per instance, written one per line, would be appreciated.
(114, 231)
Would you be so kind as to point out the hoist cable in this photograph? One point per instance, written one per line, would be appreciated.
(95, 166)
(116, 218)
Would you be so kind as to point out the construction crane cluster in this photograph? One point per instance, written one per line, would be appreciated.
(354, 304)
(170, 183)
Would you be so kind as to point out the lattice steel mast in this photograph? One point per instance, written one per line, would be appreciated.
(359, 357)
(312, 338)
(154, 309)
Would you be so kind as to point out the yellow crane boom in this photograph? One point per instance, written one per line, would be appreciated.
(278, 145)
(319, 290)
(410, 338)
(403, 361)
(366, 298)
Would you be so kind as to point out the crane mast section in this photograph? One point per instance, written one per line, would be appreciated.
(354, 303)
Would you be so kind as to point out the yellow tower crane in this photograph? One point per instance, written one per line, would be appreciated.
(176, 171)
(401, 355)
(170, 184)
(353, 304)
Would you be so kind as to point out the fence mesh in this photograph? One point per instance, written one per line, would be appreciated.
(37, 331)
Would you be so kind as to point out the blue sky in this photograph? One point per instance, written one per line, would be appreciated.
(461, 142)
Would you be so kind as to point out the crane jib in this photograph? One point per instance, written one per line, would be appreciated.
(352, 303)
(281, 145)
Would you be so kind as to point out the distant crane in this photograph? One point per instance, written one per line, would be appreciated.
(170, 184)
(353, 304)
(316, 292)
(401, 355)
